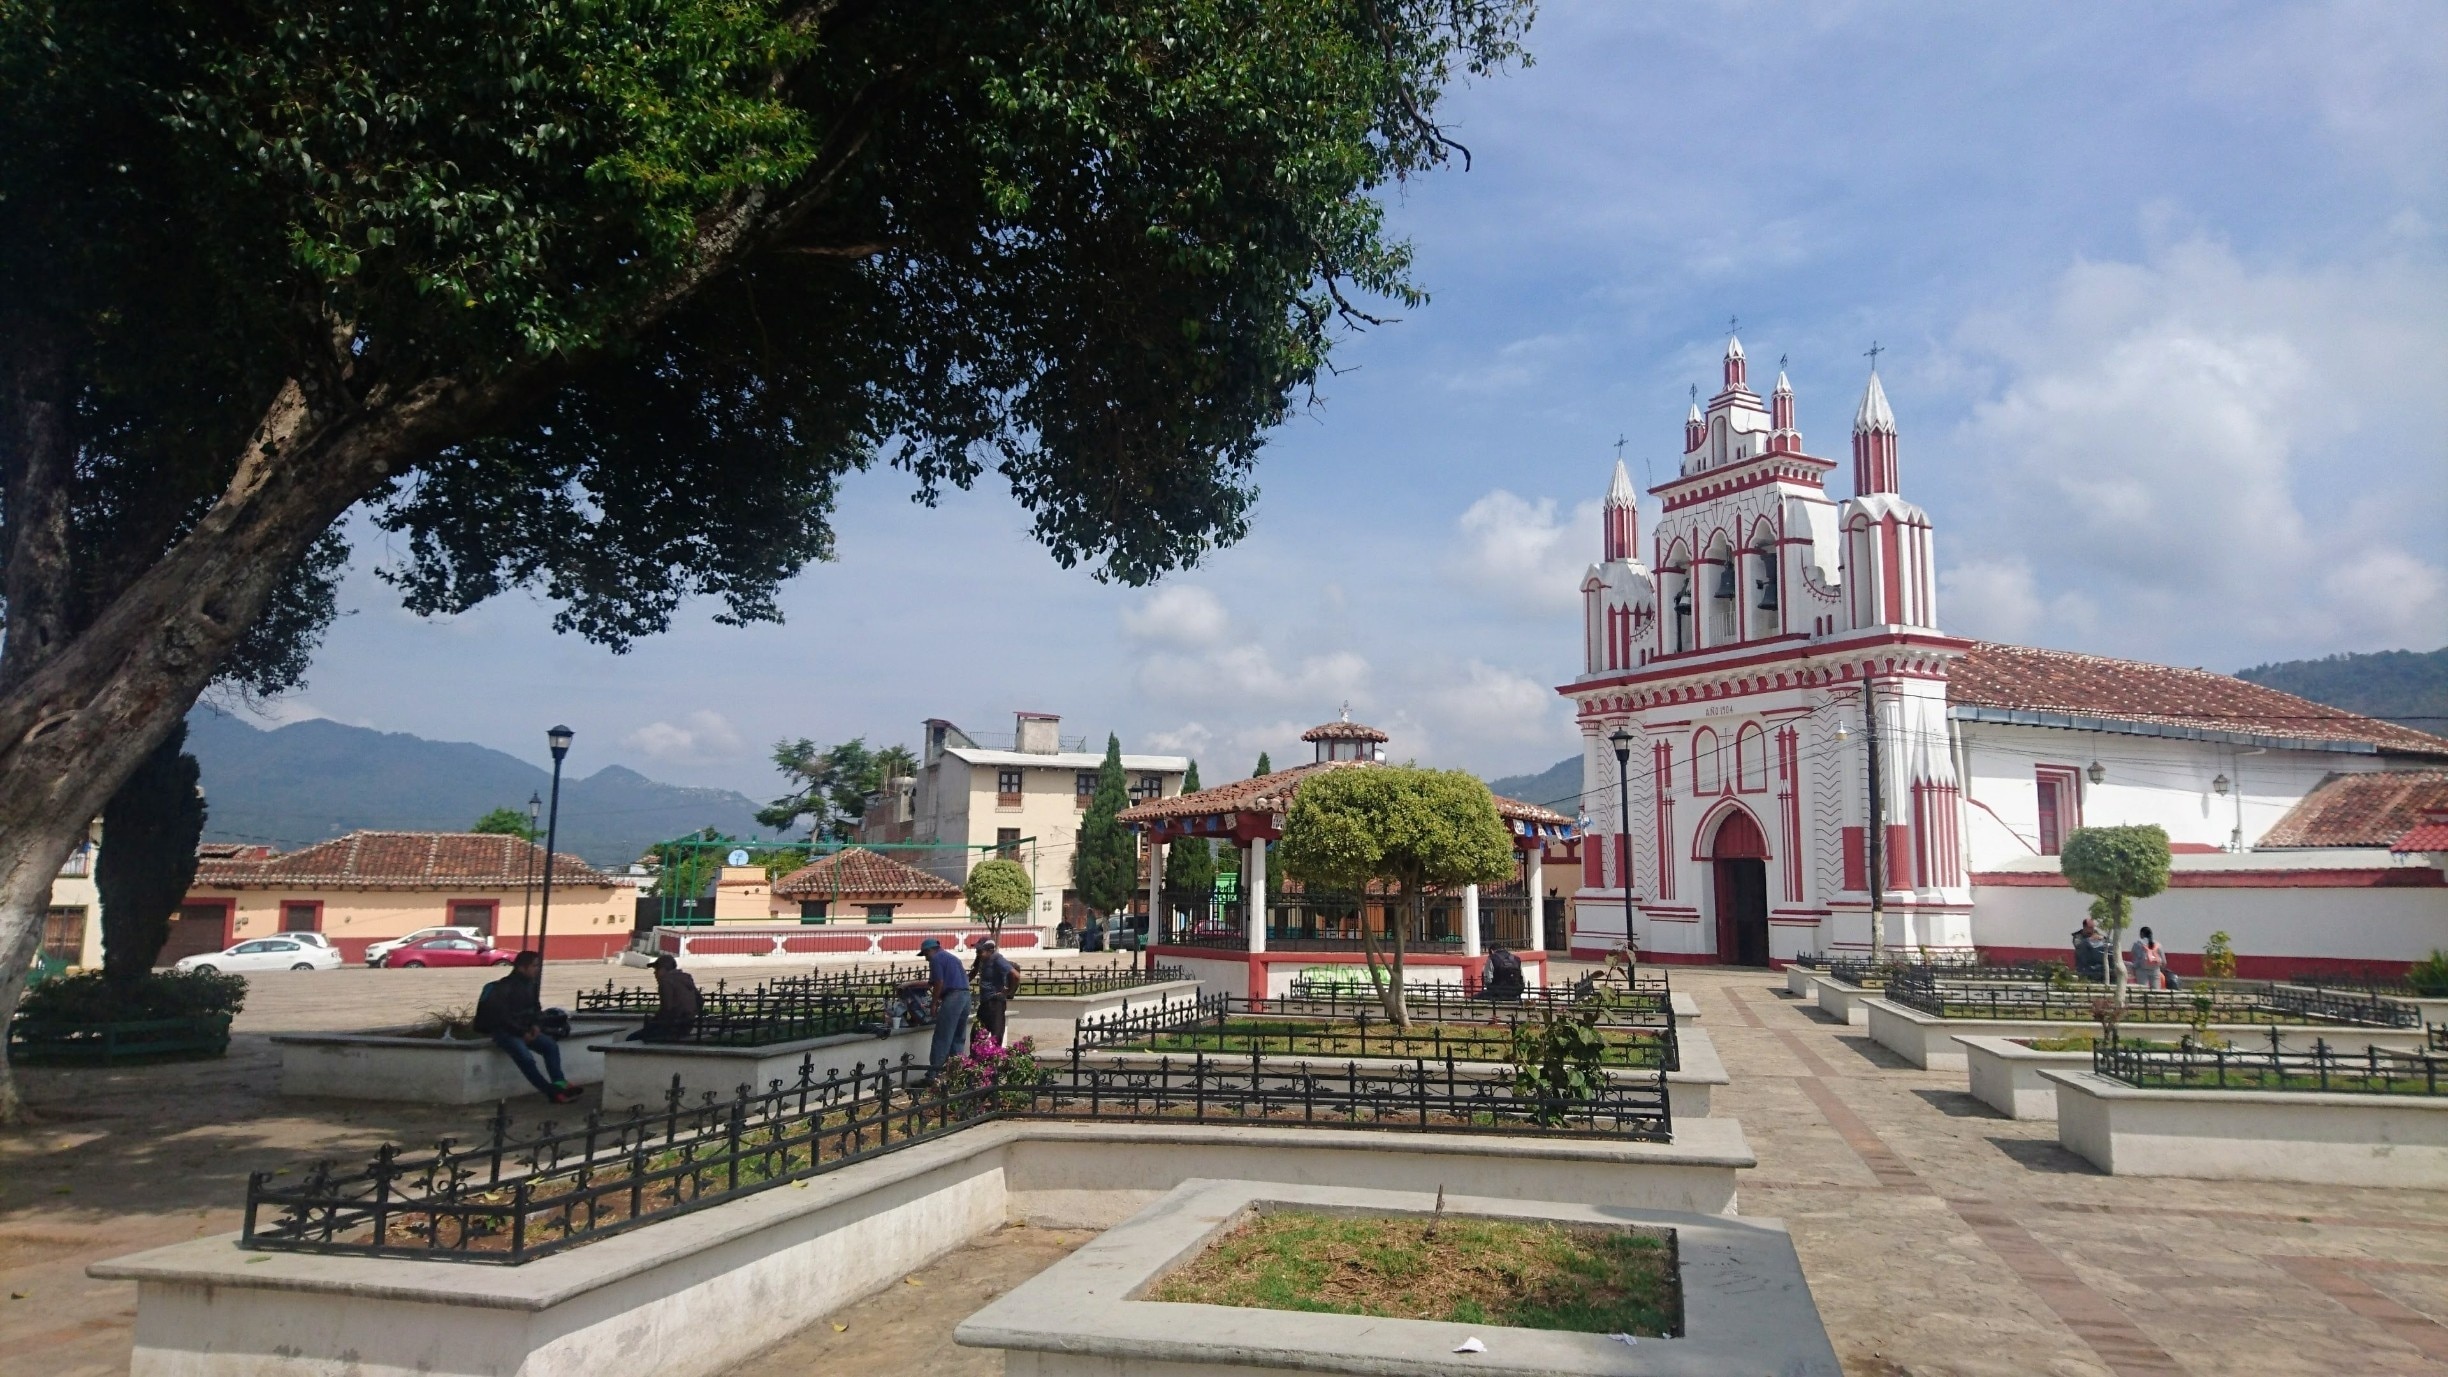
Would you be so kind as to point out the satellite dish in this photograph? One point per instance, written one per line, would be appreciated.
(736, 858)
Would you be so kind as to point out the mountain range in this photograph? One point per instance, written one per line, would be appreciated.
(310, 781)
(2407, 687)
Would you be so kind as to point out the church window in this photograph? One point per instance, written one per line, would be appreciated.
(1707, 771)
(1751, 759)
(2060, 806)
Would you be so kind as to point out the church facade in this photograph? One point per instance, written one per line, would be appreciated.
(1772, 645)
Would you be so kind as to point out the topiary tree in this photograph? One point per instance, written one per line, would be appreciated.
(1105, 865)
(999, 891)
(1405, 829)
(2116, 865)
(148, 858)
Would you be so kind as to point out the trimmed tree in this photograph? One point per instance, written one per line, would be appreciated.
(1264, 766)
(1105, 865)
(999, 891)
(1404, 829)
(1190, 863)
(148, 858)
(2116, 865)
(608, 310)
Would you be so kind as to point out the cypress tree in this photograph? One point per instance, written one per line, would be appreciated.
(1263, 767)
(148, 858)
(1105, 867)
(1190, 863)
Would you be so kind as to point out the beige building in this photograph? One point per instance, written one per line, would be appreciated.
(1025, 802)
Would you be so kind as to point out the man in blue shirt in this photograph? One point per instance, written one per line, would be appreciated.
(950, 986)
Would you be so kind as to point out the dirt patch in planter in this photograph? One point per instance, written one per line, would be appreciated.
(1524, 1274)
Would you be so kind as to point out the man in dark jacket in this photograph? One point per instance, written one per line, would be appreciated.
(995, 980)
(678, 1005)
(508, 1012)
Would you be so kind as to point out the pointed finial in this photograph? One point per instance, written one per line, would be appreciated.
(1347, 709)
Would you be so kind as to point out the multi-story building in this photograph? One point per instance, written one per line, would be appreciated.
(971, 802)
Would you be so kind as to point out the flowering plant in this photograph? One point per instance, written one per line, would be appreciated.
(1003, 1072)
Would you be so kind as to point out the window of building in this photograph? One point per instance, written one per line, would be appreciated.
(1707, 772)
(1007, 843)
(813, 910)
(1148, 787)
(880, 913)
(1751, 759)
(302, 916)
(1007, 788)
(63, 938)
(2060, 801)
(1083, 788)
(473, 913)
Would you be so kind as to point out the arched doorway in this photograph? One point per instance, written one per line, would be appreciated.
(1740, 853)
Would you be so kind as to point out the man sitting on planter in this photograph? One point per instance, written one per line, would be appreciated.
(510, 1012)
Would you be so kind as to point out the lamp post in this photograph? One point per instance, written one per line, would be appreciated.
(559, 737)
(1874, 836)
(535, 811)
(1621, 740)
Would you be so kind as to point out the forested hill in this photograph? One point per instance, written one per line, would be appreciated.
(1558, 786)
(2408, 687)
(310, 781)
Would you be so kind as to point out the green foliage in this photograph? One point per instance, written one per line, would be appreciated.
(507, 822)
(148, 857)
(1264, 767)
(830, 787)
(1559, 1059)
(92, 998)
(2117, 865)
(1105, 864)
(687, 867)
(999, 891)
(2429, 976)
(1190, 864)
(2218, 957)
(2408, 687)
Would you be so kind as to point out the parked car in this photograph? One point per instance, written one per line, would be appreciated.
(282, 953)
(376, 951)
(450, 950)
(312, 939)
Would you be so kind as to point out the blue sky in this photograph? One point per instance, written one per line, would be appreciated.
(2161, 290)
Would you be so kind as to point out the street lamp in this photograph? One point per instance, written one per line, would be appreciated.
(2097, 773)
(1621, 740)
(535, 813)
(559, 737)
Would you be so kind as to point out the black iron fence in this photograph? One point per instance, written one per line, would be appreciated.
(511, 1198)
(1871, 974)
(1950, 993)
(1056, 983)
(2192, 1066)
(1224, 1025)
(865, 999)
(1330, 920)
(1645, 1001)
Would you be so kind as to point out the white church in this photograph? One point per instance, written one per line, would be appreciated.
(1726, 756)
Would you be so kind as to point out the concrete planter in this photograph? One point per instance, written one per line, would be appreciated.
(2254, 1135)
(1746, 1306)
(2006, 1075)
(1928, 1041)
(1842, 1001)
(1798, 981)
(1050, 1019)
(641, 1072)
(389, 1065)
(699, 1293)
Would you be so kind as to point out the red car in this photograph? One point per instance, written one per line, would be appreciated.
(447, 951)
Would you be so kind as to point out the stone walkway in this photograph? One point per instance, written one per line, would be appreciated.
(1938, 1238)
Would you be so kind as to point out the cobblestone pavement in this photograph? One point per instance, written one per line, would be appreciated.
(1938, 1238)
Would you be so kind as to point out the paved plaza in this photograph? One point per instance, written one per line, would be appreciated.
(1938, 1238)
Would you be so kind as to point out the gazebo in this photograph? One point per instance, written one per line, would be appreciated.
(1210, 934)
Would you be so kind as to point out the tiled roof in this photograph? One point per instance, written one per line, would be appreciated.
(860, 873)
(2373, 809)
(2430, 836)
(2025, 678)
(1344, 730)
(430, 860)
(1272, 793)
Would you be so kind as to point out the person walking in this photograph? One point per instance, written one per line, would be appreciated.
(678, 1005)
(949, 984)
(2090, 952)
(2149, 963)
(995, 980)
(510, 1012)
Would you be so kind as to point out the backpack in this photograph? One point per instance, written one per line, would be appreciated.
(1505, 965)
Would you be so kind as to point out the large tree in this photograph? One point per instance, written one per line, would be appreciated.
(1403, 831)
(604, 298)
(829, 787)
(1105, 863)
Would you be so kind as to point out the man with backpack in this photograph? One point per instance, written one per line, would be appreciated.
(1504, 974)
(510, 1012)
(995, 980)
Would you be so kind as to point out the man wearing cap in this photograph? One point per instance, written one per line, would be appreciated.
(993, 980)
(949, 984)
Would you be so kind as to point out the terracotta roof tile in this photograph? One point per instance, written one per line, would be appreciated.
(2371, 809)
(2430, 836)
(448, 860)
(2027, 678)
(857, 872)
(1344, 730)
(1272, 793)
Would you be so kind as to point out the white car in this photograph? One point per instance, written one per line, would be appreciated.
(376, 951)
(282, 953)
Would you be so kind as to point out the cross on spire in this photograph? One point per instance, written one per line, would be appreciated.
(1695, 394)
(1733, 324)
(1873, 352)
(1781, 363)
(1619, 444)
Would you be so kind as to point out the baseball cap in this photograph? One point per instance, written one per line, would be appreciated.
(931, 944)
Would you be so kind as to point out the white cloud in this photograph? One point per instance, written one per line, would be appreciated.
(1177, 614)
(1520, 553)
(1246, 675)
(1488, 707)
(2186, 447)
(702, 735)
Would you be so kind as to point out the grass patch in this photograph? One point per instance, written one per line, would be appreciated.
(1525, 1274)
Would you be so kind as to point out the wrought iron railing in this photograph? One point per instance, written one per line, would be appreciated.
(512, 1198)
(1644, 1001)
(1057, 983)
(2439, 1037)
(1869, 974)
(2191, 1066)
(860, 1000)
(1224, 1025)
(1950, 994)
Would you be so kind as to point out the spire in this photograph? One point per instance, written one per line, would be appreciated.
(1695, 428)
(1783, 438)
(1622, 516)
(1737, 368)
(1874, 440)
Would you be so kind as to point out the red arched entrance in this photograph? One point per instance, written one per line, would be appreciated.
(1740, 854)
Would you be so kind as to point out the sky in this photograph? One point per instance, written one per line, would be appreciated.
(2159, 289)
